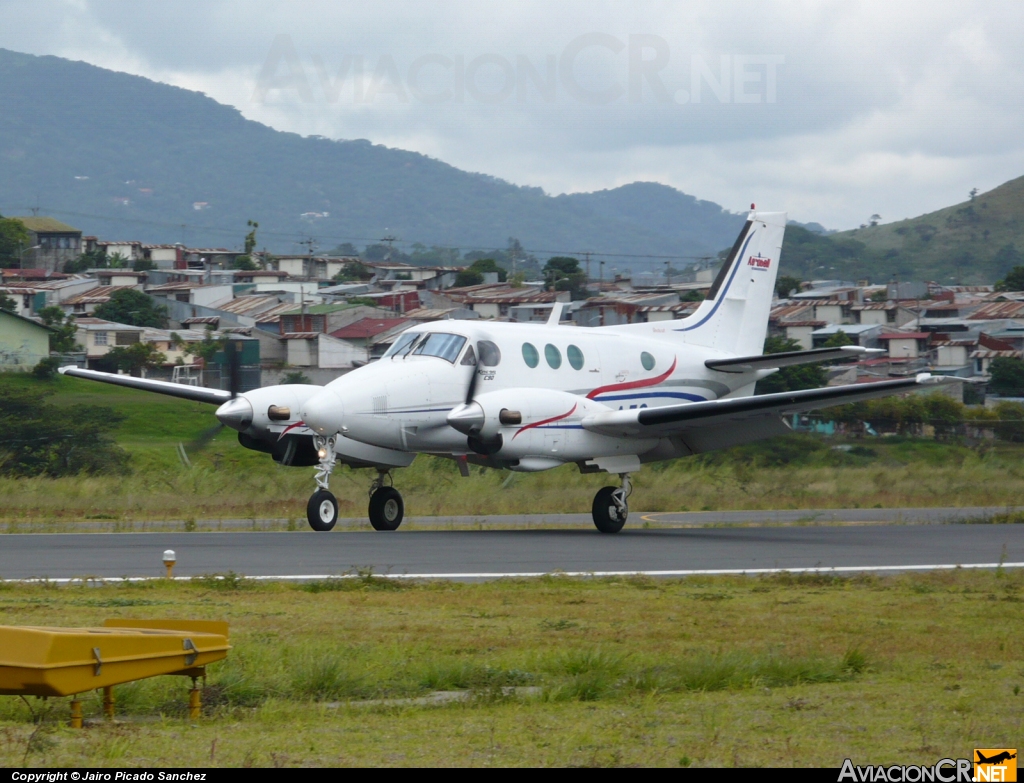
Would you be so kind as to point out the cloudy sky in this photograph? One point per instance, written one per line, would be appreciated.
(829, 110)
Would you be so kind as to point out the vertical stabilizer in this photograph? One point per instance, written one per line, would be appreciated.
(734, 317)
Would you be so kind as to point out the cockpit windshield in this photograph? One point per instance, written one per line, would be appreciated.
(443, 346)
(401, 346)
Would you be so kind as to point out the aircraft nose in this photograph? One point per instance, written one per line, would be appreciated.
(324, 413)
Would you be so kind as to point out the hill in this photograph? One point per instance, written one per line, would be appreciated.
(121, 156)
(976, 241)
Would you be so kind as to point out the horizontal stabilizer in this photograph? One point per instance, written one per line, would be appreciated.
(773, 361)
(197, 393)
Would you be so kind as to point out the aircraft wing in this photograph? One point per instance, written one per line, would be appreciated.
(736, 416)
(787, 358)
(197, 393)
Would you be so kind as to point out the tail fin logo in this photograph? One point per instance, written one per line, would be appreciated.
(759, 262)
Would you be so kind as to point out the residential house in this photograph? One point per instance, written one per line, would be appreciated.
(883, 313)
(492, 301)
(98, 337)
(617, 309)
(51, 243)
(905, 345)
(370, 333)
(86, 302)
(23, 342)
(864, 335)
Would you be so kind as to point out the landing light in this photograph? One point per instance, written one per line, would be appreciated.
(321, 453)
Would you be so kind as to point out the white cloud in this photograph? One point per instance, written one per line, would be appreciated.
(883, 107)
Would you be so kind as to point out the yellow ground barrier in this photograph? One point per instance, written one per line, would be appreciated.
(38, 661)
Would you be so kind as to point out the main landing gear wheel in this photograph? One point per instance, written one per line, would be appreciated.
(322, 510)
(386, 509)
(610, 509)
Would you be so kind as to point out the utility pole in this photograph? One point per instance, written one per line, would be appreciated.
(586, 257)
(389, 240)
(601, 280)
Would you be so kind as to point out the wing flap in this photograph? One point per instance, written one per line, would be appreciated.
(773, 361)
(197, 393)
(697, 415)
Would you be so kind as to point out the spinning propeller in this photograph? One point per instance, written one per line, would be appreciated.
(224, 413)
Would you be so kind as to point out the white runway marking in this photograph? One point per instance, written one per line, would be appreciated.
(536, 574)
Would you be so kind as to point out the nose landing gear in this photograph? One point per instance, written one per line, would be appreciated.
(611, 508)
(386, 506)
(322, 508)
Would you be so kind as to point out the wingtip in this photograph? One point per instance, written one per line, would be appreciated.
(65, 368)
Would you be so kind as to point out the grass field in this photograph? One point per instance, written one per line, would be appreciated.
(715, 671)
(228, 481)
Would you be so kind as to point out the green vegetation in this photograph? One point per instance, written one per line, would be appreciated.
(129, 306)
(562, 273)
(794, 378)
(38, 438)
(13, 240)
(1014, 280)
(245, 261)
(976, 241)
(1007, 377)
(786, 670)
(63, 330)
(474, 273)
(132, 358)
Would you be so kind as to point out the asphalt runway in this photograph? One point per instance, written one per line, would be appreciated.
(495, 553)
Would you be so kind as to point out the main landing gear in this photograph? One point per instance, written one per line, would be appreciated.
(386, 506)
(611, 508)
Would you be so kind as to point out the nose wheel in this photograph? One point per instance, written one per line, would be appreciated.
(611, 508)
(322, 510)
(386, 507)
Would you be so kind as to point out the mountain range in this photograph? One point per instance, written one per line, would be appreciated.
(124, 157)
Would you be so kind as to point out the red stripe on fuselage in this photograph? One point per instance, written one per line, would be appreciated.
(290, 427)
(545, 421)
(633, 384)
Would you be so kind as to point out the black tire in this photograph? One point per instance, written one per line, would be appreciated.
(607, 517)
(386, 509)
(322, 511)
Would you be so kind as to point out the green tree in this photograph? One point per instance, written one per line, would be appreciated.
(41, 439)
(794, 378)
(209, 346)
(352, 271)
(134, 358)
(563, 273)
(1007, 377)
(6, 303)
(1014, 280)
(488, 265)
(117, 261)
(1010, 426)
(467, 277)
(143, 265)
(13, 240)
(295, 376)
(245, 261)
(62, 338)
(129, 306)
(91, 259)
(944, 413)
(785, 284)
(838, 340)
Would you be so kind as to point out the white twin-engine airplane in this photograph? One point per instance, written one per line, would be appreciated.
(531, 397)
